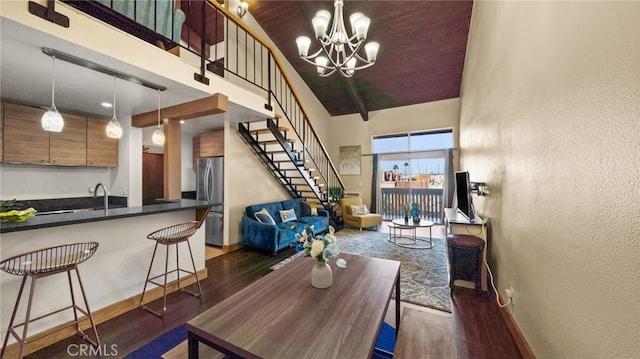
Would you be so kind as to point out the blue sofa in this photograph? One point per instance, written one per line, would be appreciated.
(274, 237)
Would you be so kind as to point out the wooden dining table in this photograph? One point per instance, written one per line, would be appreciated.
(282, 316)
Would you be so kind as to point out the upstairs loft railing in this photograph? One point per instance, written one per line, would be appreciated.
(223, 46)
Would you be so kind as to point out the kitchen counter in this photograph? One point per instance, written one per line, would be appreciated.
(90, 215)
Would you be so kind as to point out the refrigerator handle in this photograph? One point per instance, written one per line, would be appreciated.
(207, 175)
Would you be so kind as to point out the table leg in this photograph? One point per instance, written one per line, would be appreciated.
(193, 346)
(397, 303)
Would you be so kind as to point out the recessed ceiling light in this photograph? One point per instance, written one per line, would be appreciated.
(106, 104)
(181, 122)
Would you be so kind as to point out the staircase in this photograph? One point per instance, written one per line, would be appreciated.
(287, 159)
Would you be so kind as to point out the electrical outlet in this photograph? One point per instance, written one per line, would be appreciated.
(509, 292)
(90, 189)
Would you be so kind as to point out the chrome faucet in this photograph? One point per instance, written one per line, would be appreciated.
(106, 196)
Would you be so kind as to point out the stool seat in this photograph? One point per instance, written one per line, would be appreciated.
(465, 258)
(41, 263)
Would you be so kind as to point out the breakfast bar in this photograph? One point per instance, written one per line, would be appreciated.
(114, 278)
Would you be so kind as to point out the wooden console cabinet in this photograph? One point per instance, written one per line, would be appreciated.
(208, 144)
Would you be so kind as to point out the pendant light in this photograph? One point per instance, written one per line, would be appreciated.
(114, 130)
(52, 119)
(158, 135)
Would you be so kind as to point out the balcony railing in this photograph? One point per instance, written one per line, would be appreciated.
(430, 202)
(224, 46)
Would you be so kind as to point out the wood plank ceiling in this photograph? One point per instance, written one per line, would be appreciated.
(422, 50)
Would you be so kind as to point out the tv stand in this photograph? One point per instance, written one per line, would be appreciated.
(456, 223)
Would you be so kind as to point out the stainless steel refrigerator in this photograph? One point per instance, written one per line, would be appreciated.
(210, 187)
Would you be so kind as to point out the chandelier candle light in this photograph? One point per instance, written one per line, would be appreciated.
(339, 51)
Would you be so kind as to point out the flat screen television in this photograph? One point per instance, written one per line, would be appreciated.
(463, 195)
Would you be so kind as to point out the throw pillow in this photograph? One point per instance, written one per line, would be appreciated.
(288, 215)
(357, 210)
(263, 216)
(314, 208)
(365, 209)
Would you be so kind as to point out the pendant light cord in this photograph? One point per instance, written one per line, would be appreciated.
(53, 82)
(114, 97)
(158, 108)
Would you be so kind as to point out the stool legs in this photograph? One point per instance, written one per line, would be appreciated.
(165, 274)
(22, 339)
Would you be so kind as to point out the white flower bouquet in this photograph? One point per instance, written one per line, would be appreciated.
(321, 248)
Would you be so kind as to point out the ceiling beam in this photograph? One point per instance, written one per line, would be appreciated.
(214, 104)
(356, 98)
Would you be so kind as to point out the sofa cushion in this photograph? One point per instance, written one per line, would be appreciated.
(295, 204)
(272, 207)
(319, 223)
(287, 231)
(287, 215)
(263, 216)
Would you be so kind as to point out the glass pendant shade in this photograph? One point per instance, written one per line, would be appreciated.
(52, 120)
(158, 136)
(114, 129)
(371, 49)
(320, 23)
(303, 43)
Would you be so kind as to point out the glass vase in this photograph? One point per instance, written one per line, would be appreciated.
(321, 276)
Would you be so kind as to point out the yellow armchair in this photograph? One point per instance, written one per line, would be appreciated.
(358, 220)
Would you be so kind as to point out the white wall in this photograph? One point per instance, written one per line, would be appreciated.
(351, 130)
(247, 181)
(550, 120)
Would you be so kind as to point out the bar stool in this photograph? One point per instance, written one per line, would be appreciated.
(43, 263)
(169, 236)
(465, 258)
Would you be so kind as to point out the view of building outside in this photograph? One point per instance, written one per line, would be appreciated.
(414, 172)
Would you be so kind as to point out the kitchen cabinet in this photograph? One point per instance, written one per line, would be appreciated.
(208, 144)
(1, 131)
(24, 139)
(69, 147)
(101, 150)
(82, 142)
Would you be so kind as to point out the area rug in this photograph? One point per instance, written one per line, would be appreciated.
(424, 279)
(161, 344)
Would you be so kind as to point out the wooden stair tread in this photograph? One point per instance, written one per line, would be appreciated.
(271, 142)
(418, 339)
(267, 130)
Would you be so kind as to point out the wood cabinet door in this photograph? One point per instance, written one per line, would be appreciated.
(1, 131)
(69, 147)
(101, 150)
(24, 139)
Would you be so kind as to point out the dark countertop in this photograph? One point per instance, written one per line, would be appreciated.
(90, 215)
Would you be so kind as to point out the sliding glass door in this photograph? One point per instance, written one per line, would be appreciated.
(412, 172)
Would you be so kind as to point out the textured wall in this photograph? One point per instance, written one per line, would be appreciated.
(550, 120)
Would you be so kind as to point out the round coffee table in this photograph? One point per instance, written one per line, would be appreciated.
(412, 241)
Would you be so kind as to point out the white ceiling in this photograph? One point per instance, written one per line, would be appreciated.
(25, 74)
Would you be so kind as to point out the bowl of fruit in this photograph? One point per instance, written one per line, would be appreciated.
(8, 212)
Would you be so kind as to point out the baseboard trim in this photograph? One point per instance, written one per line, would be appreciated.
(56, 334)
(230, 247)
(516, 334)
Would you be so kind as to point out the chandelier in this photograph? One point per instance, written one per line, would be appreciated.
(339, 52)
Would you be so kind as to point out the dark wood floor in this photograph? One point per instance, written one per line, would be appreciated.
(480, 330)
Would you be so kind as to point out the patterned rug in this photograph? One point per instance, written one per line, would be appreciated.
(424, 279)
